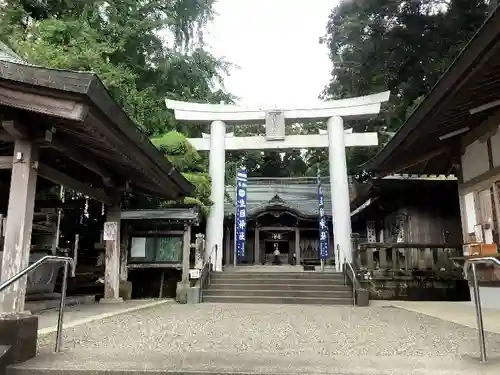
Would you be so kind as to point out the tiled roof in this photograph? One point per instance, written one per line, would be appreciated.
(299, 194)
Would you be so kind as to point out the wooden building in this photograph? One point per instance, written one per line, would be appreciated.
(63, 127)
(283, 214)
(157, 249)
(408, 208)
(455, 130)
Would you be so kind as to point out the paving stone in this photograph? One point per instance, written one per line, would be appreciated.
(302, 336)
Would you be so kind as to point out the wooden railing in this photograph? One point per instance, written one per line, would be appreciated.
(406, 257)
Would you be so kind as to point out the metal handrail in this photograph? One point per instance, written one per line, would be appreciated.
(48, 259)
(207, 261)
(477, 298)
(355, 281)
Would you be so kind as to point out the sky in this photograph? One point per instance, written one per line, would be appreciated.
(275, 44)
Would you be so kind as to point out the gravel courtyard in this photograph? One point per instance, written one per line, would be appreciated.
(268, 339)
(280, 329)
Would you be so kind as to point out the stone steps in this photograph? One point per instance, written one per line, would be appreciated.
(282, 287)
(312, 288)
(206, 363)
(276, 293)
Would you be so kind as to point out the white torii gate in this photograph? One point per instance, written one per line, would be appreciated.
(336, 139)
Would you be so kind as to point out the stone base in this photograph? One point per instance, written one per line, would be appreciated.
(19, 333)
(126, 290)
(362, 297)
(181, 293)
(111, 301)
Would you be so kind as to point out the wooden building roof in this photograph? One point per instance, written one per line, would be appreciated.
(471, 81)
(190, 215)
(88, 142)
(391, 190)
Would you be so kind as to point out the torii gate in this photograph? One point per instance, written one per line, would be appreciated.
(336, 139)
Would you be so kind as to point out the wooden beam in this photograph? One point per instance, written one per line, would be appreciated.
(15, 129)
(63, 179)
(485, 130)
(6, 162)
(78, 155)
(422, 159)
(5, 137)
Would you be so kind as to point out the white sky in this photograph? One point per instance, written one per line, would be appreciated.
(275, 43)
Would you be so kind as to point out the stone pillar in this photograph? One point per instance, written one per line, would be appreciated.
(17, 241)
(112, 256)
(186, 251)
(199, 251)
(227, 247)
(257, 246)
(216, 169)
(339, 190)
(297, 245)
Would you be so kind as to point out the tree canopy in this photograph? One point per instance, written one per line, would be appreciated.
(401, 46)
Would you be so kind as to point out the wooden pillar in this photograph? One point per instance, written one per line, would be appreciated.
(17, 240)
(125, 239)
(112, 256)
(186, 250)
(297, 245)
(257, 246)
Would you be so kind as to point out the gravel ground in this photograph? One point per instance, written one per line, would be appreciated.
(284, 330)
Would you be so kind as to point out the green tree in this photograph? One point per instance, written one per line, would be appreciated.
(404, 47)
(193, 167)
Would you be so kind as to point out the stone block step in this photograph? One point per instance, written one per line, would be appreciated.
(254, 280)
(294, 286)
(282, 275)
(277, 293)
(278, 300)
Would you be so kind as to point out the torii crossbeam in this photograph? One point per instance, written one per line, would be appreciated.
(336, 139)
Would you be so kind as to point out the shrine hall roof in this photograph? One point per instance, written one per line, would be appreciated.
(298, 194)
(86, 136)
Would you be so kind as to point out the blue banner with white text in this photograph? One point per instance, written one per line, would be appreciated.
(240, 216)
(323, 227)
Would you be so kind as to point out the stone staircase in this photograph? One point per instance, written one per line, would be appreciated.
(314, 288)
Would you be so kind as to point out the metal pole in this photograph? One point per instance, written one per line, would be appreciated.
(60, 318)
(235, 256)
(215, 256)
(479, 314)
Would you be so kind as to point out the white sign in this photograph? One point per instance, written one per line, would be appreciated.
(194, 273)
(110, 229)
(138, 247)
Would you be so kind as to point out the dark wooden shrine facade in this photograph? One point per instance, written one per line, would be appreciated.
(276, 224)
(64, 126)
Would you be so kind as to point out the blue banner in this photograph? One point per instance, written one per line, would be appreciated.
(323, 227)
(240, 216)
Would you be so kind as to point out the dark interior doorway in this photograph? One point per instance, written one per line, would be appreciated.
(282, 245)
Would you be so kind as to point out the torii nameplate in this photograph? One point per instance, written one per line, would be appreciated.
(275, 125)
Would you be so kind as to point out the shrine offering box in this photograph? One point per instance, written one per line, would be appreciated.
(480, 249)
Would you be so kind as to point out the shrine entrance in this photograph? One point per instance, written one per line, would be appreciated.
(335, 139)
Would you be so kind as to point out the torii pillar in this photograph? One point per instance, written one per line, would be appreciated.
(336, 139)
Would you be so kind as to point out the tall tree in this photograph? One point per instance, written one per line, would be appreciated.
(404, 47)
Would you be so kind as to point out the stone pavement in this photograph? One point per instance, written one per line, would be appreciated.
(82, 314)
(265, 339)
(462, 313)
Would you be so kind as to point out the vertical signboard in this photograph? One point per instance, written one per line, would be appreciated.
(240, 217)
(323, 228)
